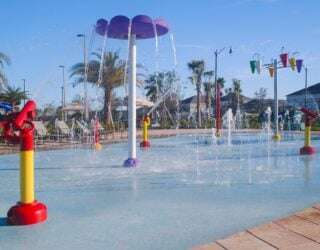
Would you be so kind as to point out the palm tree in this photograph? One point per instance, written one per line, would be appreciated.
(154, 86)
(4, 60)
(197, 68)
(13, 95)
(221, 82)
(157, 85)
(208, 89)
(236, 90)
(260, 95)
(113, 71)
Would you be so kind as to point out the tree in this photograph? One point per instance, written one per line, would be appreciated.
(221, 81)
(236, 90)
(260, 95)
(13, 95)
(236, 84)
(156, 86)
(197, 68)
(113, 71)
(235, 93)
(208, 84)
(49, 110)
(4, 60)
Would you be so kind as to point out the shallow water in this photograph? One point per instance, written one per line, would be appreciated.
(187, 190)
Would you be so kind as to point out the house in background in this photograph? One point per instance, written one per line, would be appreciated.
(253, 106)
(257, 106)
(188, 107)
(230, 101)
(297, 98)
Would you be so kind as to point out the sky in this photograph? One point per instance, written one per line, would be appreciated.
(39, 36)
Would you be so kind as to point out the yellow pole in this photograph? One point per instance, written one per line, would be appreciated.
(146, 123)
(27, 176)
(307, 136)
(145, 131)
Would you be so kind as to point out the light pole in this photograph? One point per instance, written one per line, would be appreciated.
(85, 84)
(63, 92)
(217, 90)
(24, 90)
(305, 85)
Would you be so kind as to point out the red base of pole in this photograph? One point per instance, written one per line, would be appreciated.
(307, 150)
(26, 214)
(145, 144)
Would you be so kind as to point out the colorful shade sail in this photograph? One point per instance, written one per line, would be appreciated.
(299, 63)
(284, 59)
(292, 62)
(271, 71)
(258, 66)
(253, 66)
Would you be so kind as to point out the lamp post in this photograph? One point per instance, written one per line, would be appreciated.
(85, 84)
(305, 84)
(63, 91)
(217, 90)
(24, 90)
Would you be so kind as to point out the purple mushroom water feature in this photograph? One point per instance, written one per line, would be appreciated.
(124, 28)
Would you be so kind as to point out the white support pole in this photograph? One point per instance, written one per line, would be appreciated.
(132, 98)
(276, 136)
(85, 84)
(229, 117)
(305, 86)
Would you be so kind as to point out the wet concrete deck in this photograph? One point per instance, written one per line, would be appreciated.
(298, 231)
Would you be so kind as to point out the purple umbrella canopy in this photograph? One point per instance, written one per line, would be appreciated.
(142, 26)
(101, 26)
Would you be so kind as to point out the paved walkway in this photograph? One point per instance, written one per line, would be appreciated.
(300, 231)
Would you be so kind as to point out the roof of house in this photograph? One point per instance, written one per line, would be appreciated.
(313, 89)
(73, 107)
(229, 97)
(193, 99)
(224, 98)
(251, 106)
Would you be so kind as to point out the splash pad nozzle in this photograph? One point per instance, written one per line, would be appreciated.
(18, 128)
(145, 140)
(309, 117)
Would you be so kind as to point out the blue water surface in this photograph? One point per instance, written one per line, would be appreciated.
(187, 190)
